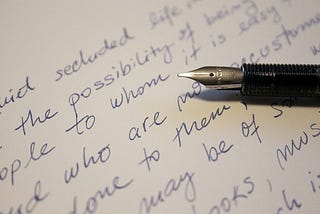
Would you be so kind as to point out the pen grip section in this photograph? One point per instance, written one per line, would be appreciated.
(280, 80)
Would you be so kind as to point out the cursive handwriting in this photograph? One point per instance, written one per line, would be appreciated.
(198, 126)
(133, 94)
(32, 203)
(16, 95)
(164, 15)
(136, 131)
(103, 155)
(289, 150)
(47, 115)
(213, 153)
(173, 185)
(12, 170)
(196, 86)
(83, 60)
(227, 203)
(92, 202)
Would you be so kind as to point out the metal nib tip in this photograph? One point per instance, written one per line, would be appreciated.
(185, 74)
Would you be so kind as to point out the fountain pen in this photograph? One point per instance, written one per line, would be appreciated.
(296, 80)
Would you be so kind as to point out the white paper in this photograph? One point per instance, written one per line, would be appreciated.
(95, 120)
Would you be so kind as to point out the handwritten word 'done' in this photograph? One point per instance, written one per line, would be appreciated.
(102, 156)
(137, 131)
(92, 203)
(184, 182)
(83, 60)
(15, 95)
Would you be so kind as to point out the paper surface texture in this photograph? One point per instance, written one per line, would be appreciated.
(94, 119)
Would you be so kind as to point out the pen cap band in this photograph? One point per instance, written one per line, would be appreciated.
(280, 80)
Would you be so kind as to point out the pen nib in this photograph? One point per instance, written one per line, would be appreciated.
(216, 77)
(185, 74)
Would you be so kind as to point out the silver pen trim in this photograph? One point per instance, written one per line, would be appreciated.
(216, 77)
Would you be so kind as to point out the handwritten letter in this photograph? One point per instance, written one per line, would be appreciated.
(94, 119)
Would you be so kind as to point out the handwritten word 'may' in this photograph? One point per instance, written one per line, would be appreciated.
(172, 186)
(198, 126)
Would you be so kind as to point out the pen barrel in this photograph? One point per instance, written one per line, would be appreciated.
(280, 80)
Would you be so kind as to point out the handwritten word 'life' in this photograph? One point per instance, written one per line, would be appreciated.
(164, 15)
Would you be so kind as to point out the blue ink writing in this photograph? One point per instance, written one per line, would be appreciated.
(47, 115)
(213, 153)
(155, 156)
(196, 86)
(289, 205)
(16, 95)
(109, 190)
(166, 14)
(173, 185)
(250, 128)
(82, 61)
(88, 119)
(103, 155)
(198, 126)
(133, 94)
(43, 151)
(136, 132)
(32, 203)
(227, 203)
